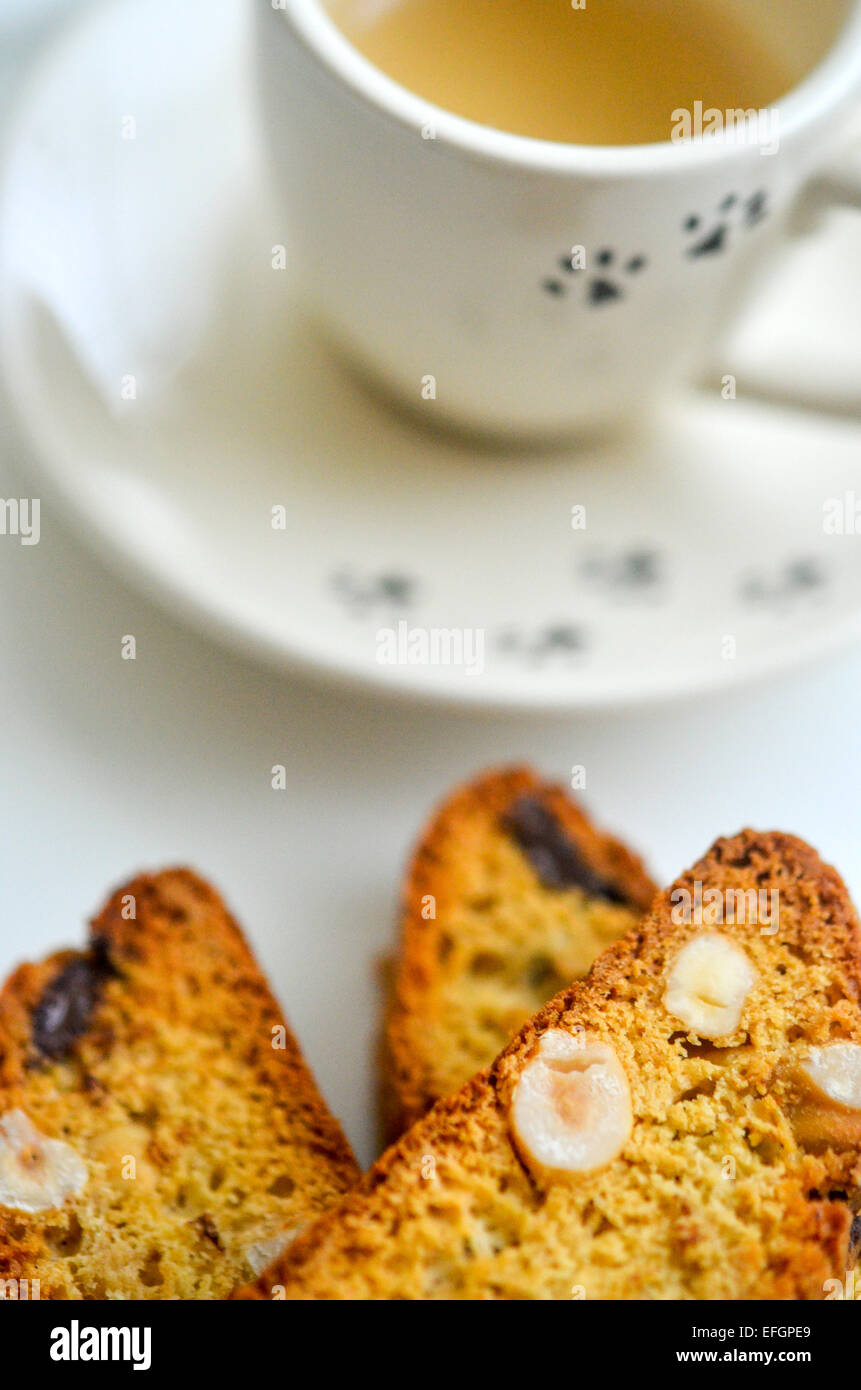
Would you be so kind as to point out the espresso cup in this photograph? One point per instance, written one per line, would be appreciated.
(525, 286)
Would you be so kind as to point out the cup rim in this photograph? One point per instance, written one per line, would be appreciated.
(819, 91)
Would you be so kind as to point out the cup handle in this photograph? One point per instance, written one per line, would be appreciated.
(836, 186)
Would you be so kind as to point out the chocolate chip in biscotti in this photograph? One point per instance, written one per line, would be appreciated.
(556, 861)
(855, 1240)
(207, 1229)
(63, 1012)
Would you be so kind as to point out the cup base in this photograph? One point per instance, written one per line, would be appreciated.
(490, 435)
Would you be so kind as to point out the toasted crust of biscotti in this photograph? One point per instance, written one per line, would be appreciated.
(180, 1087)
(499, 942)
(712, 1197)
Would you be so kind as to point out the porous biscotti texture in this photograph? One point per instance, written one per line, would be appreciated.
(160, 1057)
(510, 895)
(724, 1189)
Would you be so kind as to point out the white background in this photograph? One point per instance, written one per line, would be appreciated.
(110, 765)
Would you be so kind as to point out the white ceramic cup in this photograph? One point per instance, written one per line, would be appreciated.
(435, 248)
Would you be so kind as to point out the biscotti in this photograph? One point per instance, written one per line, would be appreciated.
(685, 1123)
(160, 1134)
(510, 895)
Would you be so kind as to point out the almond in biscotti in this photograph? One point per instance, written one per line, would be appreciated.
(36, 1173)
(825, 1097)
(571, 1109)
(708, 985)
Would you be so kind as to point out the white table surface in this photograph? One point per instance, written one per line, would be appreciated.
(111, 765)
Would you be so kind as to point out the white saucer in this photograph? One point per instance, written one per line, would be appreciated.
(704, 561)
